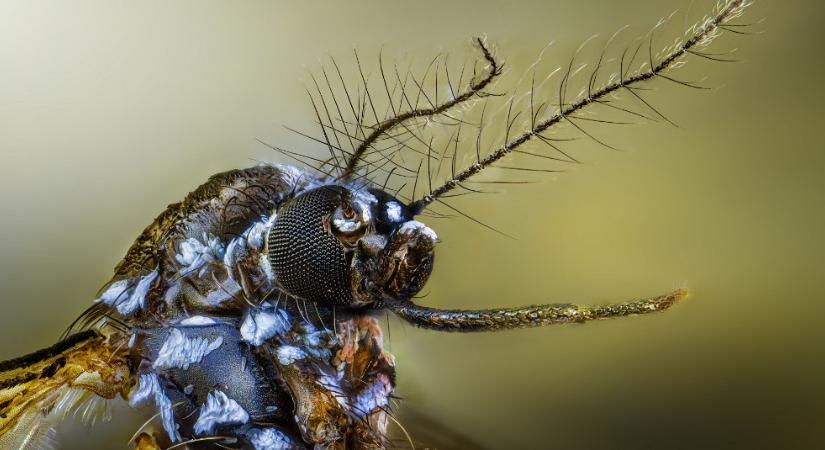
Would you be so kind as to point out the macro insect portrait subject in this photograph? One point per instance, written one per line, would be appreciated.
(255, 312)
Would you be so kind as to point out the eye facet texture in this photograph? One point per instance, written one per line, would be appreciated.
(309, 261)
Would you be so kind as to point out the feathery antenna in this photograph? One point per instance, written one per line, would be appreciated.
(399, 120)
(699, 36)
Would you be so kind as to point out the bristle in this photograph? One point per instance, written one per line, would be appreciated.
(36, 429)
(30, 433)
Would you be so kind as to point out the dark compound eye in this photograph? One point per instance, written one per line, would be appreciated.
(309, 261)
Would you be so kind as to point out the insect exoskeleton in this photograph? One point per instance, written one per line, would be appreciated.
(243, 312)
(342, 246)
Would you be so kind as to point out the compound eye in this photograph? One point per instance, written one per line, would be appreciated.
(306, 250)
(349, 223)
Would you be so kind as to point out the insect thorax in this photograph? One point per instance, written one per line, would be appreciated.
(220, 347)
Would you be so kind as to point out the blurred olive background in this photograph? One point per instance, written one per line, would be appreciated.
(110, 110)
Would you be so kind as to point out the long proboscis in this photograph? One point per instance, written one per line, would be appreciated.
(527, 316)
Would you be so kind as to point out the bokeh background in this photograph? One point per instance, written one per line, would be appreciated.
(111, 110)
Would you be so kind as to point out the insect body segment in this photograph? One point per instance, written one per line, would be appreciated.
(254, 327)
(243, 313)
(221, 343)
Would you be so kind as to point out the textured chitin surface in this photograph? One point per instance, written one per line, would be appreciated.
(240, 314)
(221, 353)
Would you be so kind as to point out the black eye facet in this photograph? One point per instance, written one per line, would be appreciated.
(309, 261)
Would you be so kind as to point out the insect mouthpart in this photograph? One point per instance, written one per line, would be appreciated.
(339, 246)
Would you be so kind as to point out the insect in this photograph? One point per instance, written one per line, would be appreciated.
(244, 315)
